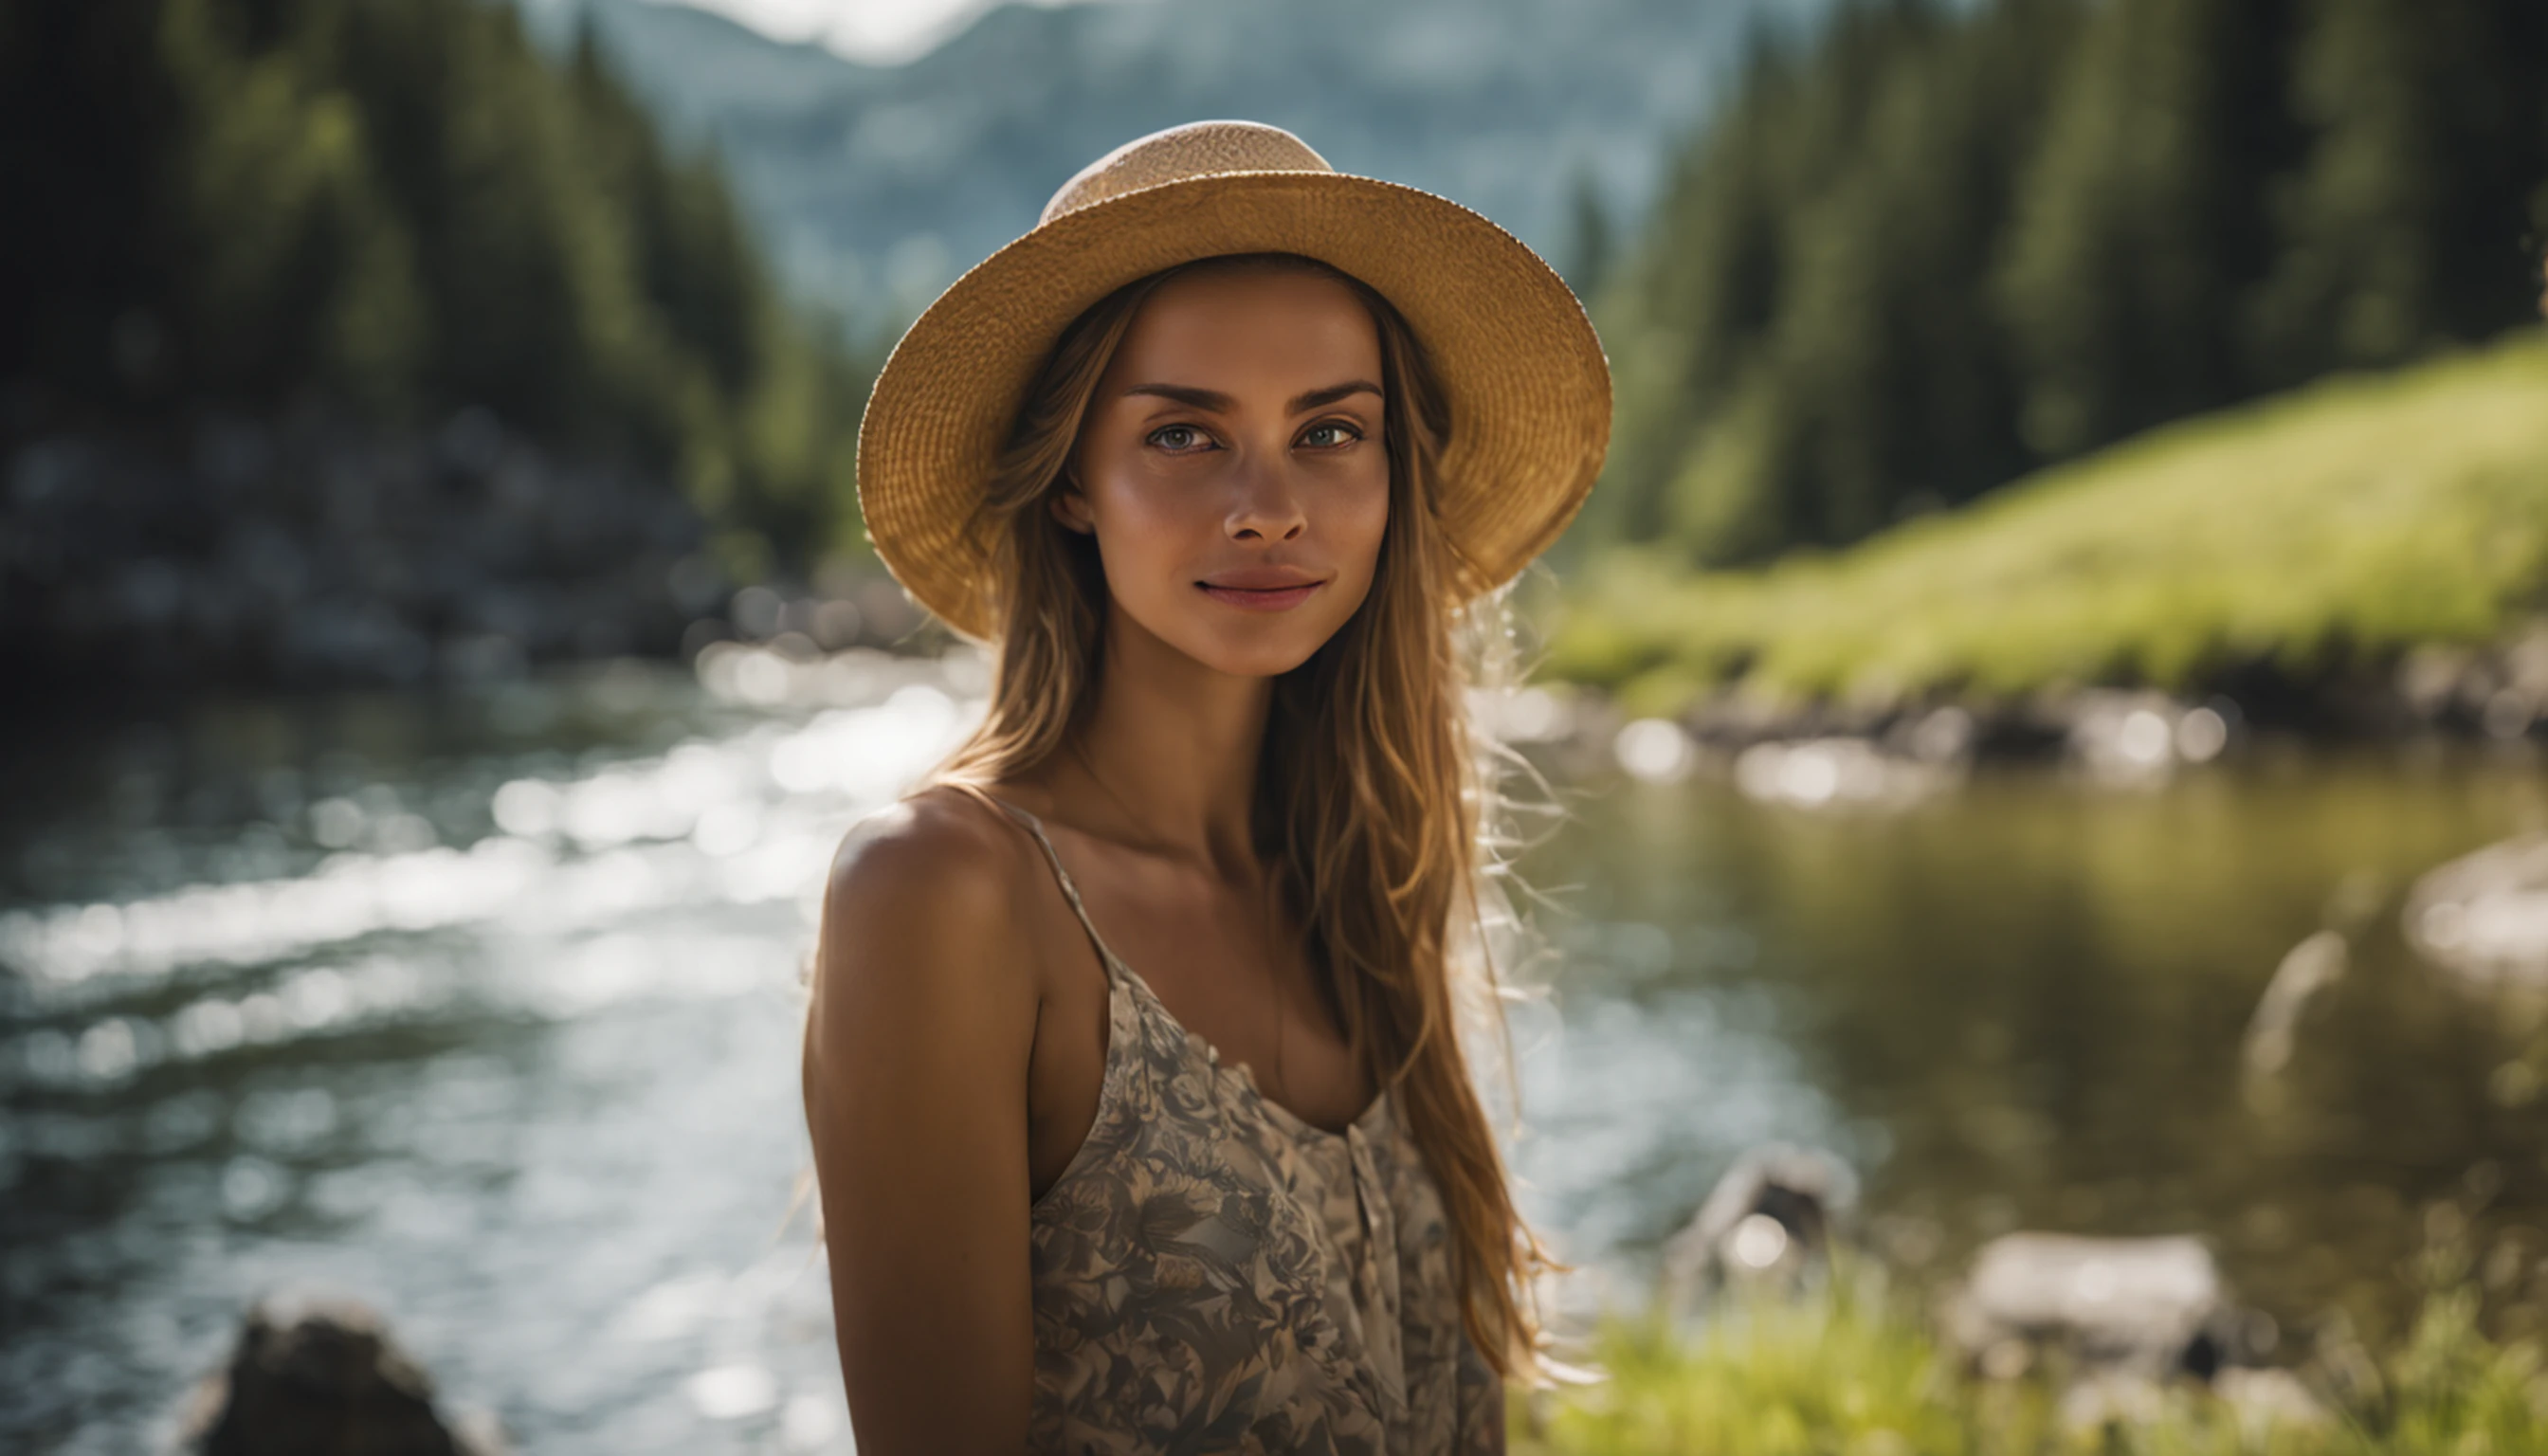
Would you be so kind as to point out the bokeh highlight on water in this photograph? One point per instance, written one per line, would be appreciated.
(484, 1007)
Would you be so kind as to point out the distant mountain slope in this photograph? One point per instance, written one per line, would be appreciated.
(875, 185)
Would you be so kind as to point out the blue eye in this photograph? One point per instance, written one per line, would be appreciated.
(1179, 439)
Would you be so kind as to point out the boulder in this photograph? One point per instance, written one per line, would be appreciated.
(321, 1375)
(2484, 917)
(2152, 1306)
(1770, 1218)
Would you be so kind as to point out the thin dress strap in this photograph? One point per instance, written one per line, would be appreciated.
(1053, 857)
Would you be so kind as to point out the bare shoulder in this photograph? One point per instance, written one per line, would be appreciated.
(937, 877)
(919, 1043)
(939, 848)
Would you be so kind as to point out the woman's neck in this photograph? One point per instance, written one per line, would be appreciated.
(1173, 746)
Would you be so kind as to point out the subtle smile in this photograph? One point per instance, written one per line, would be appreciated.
(1261, 588)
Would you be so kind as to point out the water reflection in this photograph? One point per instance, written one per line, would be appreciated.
(485, 1014)
(2030, 1002)
(483, 1008)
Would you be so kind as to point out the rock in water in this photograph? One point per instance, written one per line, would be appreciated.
(2484, 917)
(1769, 1218)
(2131, 1326)
(2309, 968)
(2145, 1305)
(322, 1376)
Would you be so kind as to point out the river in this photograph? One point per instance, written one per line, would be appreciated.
(484, 1007)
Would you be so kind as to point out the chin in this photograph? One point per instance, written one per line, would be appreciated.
(1255, 654)
(1248, 644)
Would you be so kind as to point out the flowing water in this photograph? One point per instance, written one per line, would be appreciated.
(485, 1009)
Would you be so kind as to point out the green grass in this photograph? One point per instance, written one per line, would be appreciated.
(1854, 1374)
(2317, 531)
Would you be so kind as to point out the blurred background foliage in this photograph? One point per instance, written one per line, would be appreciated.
(1937, 247)
(396, 211)
(1907, 253)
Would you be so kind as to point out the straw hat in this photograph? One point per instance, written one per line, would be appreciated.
(1529, 391)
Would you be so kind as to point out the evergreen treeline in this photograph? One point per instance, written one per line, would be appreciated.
(400, 209)
(1941, 246)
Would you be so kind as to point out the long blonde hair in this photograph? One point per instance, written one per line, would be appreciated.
(1376, 800)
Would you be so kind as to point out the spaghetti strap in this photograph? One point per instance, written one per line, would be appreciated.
(1070, 888)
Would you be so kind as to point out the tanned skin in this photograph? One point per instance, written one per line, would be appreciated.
(1232, 472)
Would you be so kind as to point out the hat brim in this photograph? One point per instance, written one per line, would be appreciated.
(1529, 391)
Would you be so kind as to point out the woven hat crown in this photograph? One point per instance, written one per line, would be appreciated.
(1195, 149)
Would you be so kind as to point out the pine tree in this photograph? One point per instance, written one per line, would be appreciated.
(2417, 214)
(2144, 217)
(298, 273)
(403, 208)
(1807, 343)
(1591, 245)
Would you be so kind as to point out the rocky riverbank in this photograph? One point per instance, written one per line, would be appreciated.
(307, 551)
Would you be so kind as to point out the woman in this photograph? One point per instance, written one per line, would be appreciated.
(1138, 1115)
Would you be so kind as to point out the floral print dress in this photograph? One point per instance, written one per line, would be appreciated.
(1211, 1273)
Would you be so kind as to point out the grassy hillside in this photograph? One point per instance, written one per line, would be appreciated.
(2323, 529)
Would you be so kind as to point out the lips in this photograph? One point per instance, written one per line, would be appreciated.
(1261, 587)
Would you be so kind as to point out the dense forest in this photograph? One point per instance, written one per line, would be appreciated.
(403, 220)
(378, 340)
(1939, 247)
(403, 207)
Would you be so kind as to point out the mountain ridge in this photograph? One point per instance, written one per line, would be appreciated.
(873, 186)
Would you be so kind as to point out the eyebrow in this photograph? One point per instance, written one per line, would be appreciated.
(1220, 404)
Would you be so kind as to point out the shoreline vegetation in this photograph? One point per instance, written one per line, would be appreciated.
(2364, 554)
(1850, 1368)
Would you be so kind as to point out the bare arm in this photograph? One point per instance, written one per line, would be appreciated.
(917, 1041)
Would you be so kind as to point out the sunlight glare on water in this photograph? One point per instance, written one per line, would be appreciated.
(485, 1009)
(432, 1063)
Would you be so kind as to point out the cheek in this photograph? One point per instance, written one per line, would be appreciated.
(1358, 519)
(1164, 509)
(1135, 507)
(1152, 530)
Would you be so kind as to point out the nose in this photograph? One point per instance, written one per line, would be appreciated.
(1265, 506)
